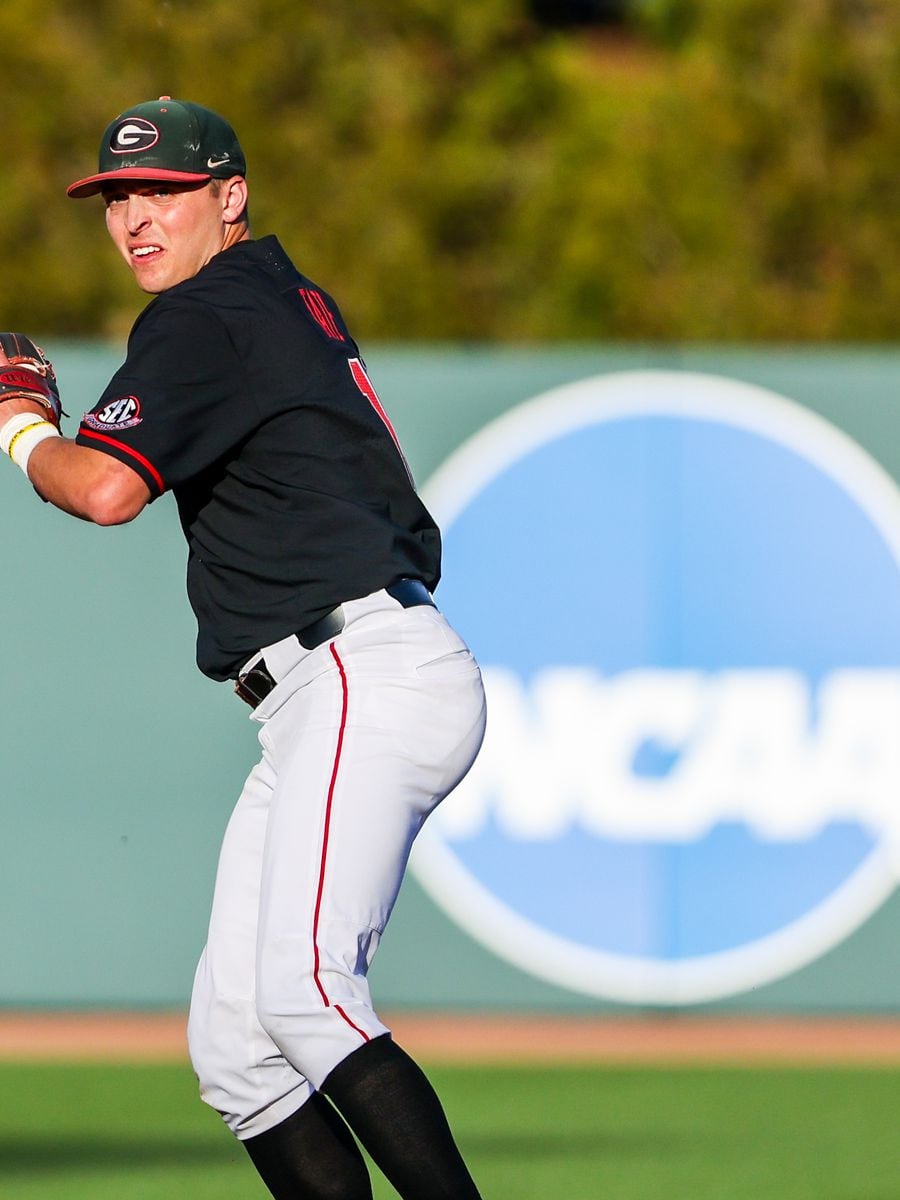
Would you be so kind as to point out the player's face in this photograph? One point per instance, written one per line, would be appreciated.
(167, 231)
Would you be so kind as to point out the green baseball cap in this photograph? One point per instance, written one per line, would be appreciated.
(165, 139)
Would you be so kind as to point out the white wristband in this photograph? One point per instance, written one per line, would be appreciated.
(21, 433)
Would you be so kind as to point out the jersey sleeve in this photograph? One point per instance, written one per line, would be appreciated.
(179, 401)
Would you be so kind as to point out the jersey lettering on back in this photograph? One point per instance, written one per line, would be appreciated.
(364, 383)
(320, 313)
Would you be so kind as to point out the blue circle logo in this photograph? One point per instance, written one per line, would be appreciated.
(684, 592)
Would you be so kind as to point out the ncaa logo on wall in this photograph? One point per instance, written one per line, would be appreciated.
(685, 595)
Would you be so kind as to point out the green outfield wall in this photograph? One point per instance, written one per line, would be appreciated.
(121, 762)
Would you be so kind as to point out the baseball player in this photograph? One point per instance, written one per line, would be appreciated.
(311, 567)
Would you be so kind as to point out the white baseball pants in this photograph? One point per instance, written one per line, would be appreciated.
(361, 738)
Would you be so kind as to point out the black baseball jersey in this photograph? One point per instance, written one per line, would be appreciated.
(244, 394)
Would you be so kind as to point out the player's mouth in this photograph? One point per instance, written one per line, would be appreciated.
(145, 253)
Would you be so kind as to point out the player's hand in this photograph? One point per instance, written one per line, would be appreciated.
(27, 379)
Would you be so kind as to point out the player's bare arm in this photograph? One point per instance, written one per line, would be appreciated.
(80, 481)
(87, 483)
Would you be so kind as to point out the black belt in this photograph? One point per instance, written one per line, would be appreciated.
(255, 684)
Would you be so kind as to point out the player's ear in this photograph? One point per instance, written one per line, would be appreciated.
(233, 196)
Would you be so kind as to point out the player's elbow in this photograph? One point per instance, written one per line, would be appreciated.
(110, 492)
(107, 502)
(87, 483)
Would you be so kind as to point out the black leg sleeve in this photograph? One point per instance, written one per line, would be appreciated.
(392, 1108)
(311, 1156)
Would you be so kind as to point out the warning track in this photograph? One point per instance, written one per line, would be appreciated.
(496, 1038)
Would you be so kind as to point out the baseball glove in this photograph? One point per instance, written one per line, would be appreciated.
(26, 371)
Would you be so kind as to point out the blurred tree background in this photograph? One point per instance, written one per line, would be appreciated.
(505, 170)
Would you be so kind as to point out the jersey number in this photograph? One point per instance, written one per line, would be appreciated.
(364, 383)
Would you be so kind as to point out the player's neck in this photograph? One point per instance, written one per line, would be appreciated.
(239, 232)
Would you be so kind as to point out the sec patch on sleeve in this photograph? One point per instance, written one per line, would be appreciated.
(123, 413)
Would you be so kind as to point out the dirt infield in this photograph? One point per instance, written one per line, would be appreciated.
(497, 1038)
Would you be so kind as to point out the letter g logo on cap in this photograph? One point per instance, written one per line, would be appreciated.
(133, 134)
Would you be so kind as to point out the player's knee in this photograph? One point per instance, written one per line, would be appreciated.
(281, 1017)
(313, 1037)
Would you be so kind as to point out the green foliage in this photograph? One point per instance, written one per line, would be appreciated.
(797, 106)
(727, 171)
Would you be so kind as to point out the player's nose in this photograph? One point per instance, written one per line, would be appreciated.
(137, 216)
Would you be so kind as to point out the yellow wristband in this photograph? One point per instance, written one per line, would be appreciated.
(14, 440)
(21, 433)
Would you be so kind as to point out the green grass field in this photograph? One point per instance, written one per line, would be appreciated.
(567, 1133)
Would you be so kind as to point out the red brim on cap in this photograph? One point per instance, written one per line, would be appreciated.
(94, 183)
